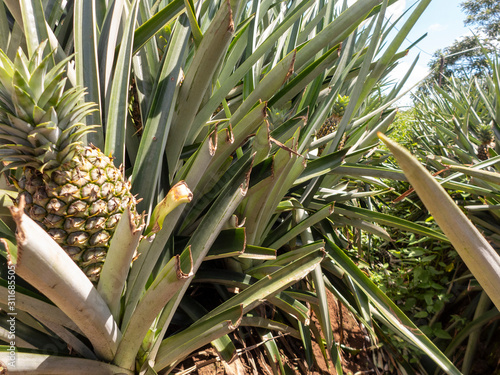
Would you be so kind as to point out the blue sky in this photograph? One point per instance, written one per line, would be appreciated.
(443, 21)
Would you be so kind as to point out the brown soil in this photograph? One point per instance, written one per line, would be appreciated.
(348, 332)
(356, 359)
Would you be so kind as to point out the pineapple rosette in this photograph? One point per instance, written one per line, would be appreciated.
(74, 192)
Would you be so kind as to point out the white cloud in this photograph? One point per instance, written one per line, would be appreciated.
(437, 27)
(392, 12)
(396, 9)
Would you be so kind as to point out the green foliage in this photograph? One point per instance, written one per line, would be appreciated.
(465, 57)
(483, 13)
(415, 274)
(402, 129)
(429, 279)
(227, 101)
(448, 122)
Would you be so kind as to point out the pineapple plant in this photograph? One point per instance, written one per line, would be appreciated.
(240, 188)
(72, 191)
(485, 135)
(442, 145)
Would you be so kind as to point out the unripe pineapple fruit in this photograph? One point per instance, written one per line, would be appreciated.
(486, 137)
(74, 192)
(330, 124)
(339, 106)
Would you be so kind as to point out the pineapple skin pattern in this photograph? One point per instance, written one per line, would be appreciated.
(79, 205)
(72, 191)
(332, 122)
(338, 110)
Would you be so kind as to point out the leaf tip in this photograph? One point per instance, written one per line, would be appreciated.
(382, 136)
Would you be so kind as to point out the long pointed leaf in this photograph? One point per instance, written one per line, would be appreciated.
(33, 363)
(151, 150)
(164, 287)
(43, 263)
(482, 260)
(117, 110)
(86, 64)
(389, 310)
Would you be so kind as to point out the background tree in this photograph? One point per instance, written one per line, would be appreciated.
(464, 58)
(485, 14)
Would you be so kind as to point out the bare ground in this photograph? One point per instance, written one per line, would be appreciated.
(355, 359)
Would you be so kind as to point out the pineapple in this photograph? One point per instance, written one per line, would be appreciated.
(73, 191)
(339, 107)
(331, 123)
(328, 127)
(486, 137)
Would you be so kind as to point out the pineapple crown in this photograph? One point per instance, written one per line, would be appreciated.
(485, 134)
(339, 106)
(40, 120)
(342, 100)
